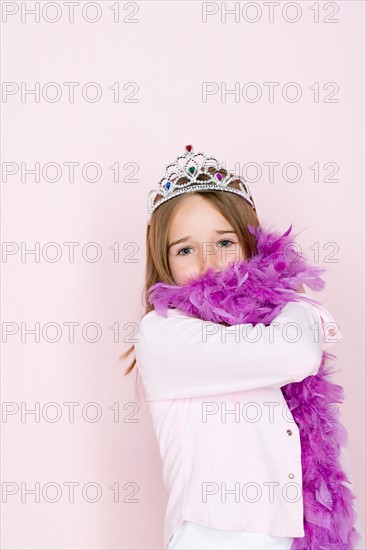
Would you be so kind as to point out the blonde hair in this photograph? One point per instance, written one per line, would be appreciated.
(233, 207)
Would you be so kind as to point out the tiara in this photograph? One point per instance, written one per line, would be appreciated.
(190, 166)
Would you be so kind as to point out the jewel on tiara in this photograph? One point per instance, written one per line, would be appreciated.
(190, 166)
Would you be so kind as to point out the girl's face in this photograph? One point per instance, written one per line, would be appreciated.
(199, 238)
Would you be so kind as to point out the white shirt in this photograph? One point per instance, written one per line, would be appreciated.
(192, 536)
(230, 447)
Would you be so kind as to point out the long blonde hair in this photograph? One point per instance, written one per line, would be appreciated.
(236, 210)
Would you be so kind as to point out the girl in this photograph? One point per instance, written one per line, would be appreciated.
(234, 480)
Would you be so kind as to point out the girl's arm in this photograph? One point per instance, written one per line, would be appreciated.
(180, 356)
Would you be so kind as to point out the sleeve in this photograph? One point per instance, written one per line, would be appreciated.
(179, 356)
(331, 331)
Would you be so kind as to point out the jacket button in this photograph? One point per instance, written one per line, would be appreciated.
(291, 476)
(289, 432)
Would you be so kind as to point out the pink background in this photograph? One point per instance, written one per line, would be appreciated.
(169, 52)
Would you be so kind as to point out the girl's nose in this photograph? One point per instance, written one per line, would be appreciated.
(212, 260)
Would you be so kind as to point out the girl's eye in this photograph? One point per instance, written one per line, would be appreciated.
(188, 247)
(226, 241)
(181, 250)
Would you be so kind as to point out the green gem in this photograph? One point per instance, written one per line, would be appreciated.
(191, 169)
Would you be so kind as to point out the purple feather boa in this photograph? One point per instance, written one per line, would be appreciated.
(255, 290)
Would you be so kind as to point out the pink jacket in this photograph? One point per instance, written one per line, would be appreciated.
(229, 444)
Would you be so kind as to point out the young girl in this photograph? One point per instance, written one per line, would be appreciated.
(234, 479)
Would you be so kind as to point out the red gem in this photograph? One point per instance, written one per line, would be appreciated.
(188, 148)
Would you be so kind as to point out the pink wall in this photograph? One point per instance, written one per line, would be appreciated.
(163, 62)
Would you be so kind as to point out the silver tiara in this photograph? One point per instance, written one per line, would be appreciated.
(191, 165)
